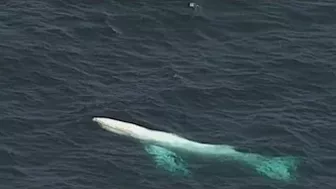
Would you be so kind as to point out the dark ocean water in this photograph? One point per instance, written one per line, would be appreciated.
(259, 75)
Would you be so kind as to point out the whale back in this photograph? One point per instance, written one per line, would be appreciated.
(185, 146)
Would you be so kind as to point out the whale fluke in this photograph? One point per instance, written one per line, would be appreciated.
(279, 168)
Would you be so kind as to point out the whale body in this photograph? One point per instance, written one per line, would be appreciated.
(168, 150)
(167, 140)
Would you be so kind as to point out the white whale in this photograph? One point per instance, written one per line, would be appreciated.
(160, 143)
(167, 140)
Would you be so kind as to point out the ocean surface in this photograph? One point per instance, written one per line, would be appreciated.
(256, 74)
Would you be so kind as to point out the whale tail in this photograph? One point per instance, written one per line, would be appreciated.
(279, 168)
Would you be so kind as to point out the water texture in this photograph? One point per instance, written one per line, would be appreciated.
(259, 75)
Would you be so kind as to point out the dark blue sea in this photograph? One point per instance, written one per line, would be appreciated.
(259, 75)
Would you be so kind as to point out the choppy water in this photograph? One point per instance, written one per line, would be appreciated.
(259, 75)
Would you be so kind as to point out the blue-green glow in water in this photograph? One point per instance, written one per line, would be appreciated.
(168, 160)
(279, 168)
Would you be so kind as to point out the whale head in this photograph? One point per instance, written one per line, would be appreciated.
(121, 128)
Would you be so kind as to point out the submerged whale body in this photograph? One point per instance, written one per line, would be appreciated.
(168, 151)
